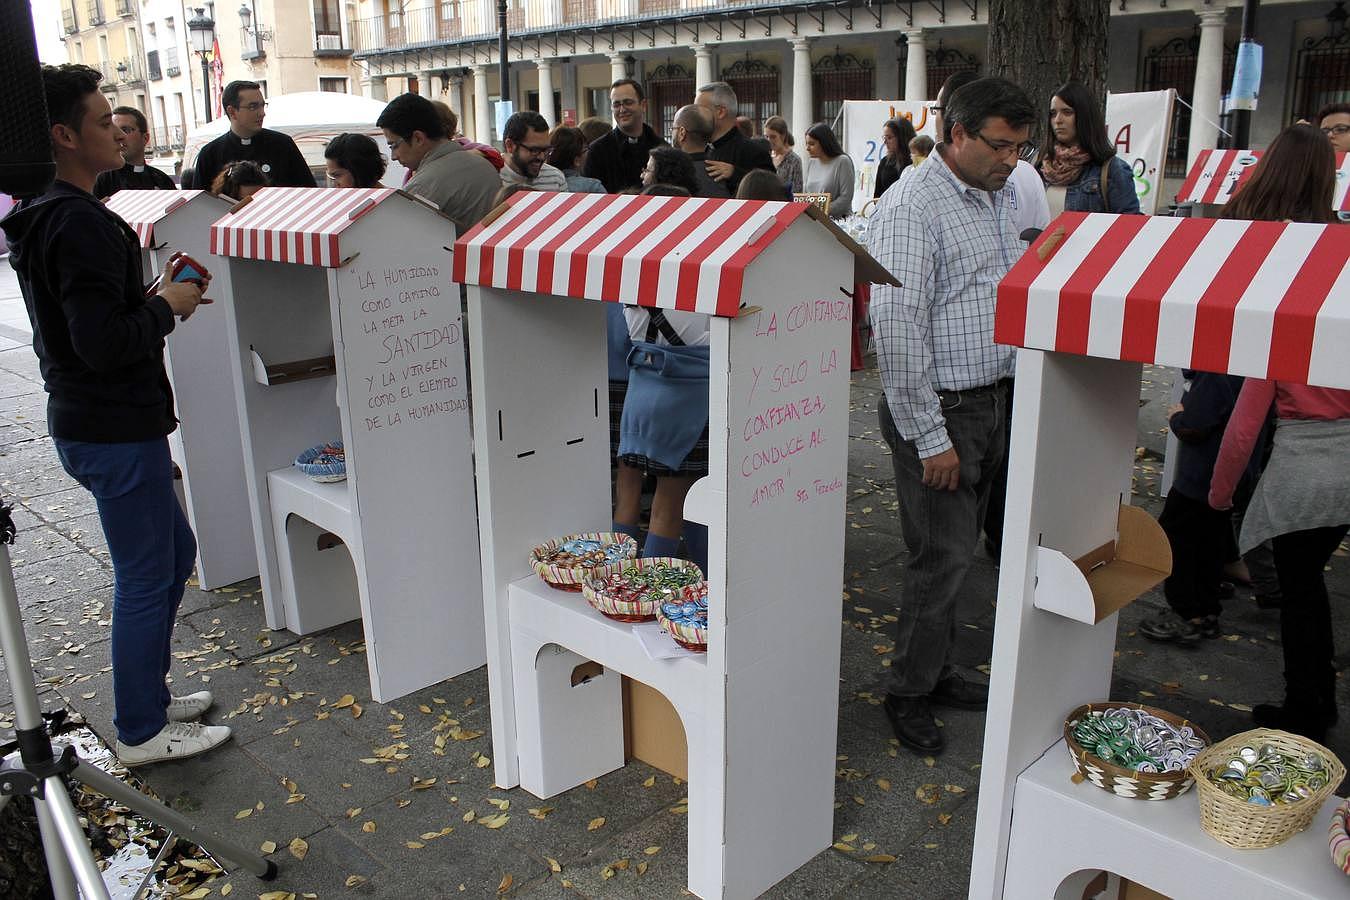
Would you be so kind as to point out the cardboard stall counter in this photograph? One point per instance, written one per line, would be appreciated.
(344, 324)
(1095, 297)
(206, 444)
(759, 709)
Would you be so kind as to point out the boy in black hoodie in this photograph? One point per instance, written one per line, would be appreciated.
(100, 343)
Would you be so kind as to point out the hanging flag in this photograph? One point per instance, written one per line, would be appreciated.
(217, 76)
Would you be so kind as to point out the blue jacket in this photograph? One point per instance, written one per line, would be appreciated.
(666, 408)
(1199, 429)
(1086, 194)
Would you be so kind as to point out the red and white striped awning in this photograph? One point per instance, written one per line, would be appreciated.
(142, 209)
(1263, 299)
(671, 252)
(295, 225)
(1217, 174)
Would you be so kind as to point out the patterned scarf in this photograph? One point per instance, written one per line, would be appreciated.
(1067, 166)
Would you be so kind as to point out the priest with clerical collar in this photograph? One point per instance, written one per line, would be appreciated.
(274, 152)
(133, 133)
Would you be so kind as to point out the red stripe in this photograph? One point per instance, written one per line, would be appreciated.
(215, 242)
(284, 245)
(1291, 339)
(515, 256)
(618, 212)
(1143, 302)
(649, 274)
(732, 278)
(686, 279)
(334, 252)
(1213, 338)
(315, 248)
(1193, 176)
(612, 277)
(253, 243)
(1220, 176)
(1010, 312)
(548, 254)
(1075, 297)
(486, 251)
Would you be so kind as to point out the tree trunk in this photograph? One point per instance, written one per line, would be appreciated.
(1040, 44)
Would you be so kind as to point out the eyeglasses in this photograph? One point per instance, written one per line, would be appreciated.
(625, 103)
(396, 143)
(1002, 148)
(1336, 130)
(934, 110)
(535, 151)
(254, 107)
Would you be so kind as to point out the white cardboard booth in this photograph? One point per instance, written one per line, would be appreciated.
(344, 325)
(1094, 297)
(759, 708)
(206, 444)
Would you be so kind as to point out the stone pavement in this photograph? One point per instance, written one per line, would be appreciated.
(389, 798)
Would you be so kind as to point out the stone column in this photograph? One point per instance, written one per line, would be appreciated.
(1208, 85)
(482, 122)
(618, 66)
(803, 108)
(916, 66)
(703, 65)
(454, 95)
(546, 107)
(426, 85)
(374, 88)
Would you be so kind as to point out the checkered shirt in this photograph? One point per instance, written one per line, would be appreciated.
(949, 245)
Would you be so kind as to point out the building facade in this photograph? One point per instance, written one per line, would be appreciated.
(802, 58)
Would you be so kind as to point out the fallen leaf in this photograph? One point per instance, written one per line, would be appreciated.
(346, 701)
(354, 880)
(197, 894)
(368, 827)
(299, 847)
(884, 784)
(880, 858)
(649, 782)
(944, 818)
(414, 845)
(503, 805)
(642, 868)
(269, 847)
(844, 848)
(596, 823)
(226, 889)
(244, 813)
(652, 851)
(849, 838)
(606, 873)
(494, 822)
(553, 864)
(353, 812)
(540, 812)
(505, 883)
(954, 789)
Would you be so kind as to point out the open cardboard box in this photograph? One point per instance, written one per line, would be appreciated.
(1107, 579)
(652, 731)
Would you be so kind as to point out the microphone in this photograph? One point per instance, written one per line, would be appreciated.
(26, 166)
(1030, 234)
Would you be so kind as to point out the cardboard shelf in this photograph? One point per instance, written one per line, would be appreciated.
(290, 372)
(326, 504)
(1105, 580)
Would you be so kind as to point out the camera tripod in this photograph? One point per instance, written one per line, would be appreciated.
(42, 772)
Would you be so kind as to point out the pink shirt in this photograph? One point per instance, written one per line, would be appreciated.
(1291, 400)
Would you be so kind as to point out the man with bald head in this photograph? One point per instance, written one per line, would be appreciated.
(692, 133)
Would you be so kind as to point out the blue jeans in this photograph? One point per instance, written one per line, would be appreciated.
(152, 550)
(940, 528)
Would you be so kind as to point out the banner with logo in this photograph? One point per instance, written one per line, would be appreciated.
(1137, 124)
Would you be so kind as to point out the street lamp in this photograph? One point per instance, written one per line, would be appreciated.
(202, 29)
(261, 33)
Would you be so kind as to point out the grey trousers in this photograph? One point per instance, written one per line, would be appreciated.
(941, 529)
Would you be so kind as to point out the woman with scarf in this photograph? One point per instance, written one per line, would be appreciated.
(1081, 170)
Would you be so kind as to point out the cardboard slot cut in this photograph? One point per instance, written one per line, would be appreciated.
(1104, 581)
(288, 372)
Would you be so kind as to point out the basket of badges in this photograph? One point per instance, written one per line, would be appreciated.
(685, 618)
(1338, 837)
(565, 563)
(1261, 787)
(637, 589)
(326, 463)
(1133, 750)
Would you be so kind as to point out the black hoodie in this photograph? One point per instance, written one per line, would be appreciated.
(98, 338)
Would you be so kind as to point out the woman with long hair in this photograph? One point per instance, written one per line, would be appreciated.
(786, 162)
(895, 136)
(1302, 501)
(354, 161)
(239, 180)
(1080, 167)
(828, 170)
(567, 149)
(668, 165)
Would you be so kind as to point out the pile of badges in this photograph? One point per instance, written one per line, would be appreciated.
(1266, 776)
(585, 553)
(1137, 739)
(635, 592)
(686, 618)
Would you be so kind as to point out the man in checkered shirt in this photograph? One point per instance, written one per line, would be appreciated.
(947, 237)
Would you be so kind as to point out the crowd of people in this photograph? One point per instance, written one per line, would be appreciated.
(950, 220)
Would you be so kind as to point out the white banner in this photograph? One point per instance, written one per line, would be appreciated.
(1138, 126)
(863, 120)
(1136, 123)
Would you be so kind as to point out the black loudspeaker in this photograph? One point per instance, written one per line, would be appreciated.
(26, 167)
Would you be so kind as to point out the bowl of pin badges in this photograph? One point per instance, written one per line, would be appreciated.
(565, 563)
(1260, 788)
(685, 618)
(1133, 750)
(636, 591)
(1338, 837)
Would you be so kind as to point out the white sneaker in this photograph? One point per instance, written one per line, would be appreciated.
(189, 707)
(176, 740)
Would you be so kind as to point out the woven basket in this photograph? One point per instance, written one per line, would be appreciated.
(597, 594)
(570, 578)
(1338, 837)
(1119, 780)
(1247, 826)
(687, 637)
(323, 465)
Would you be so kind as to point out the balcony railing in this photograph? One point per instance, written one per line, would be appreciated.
(123, 71)
(94, 8)
(125, 9)
(166, 139)
(152, 65)
(468, 20)
(68, 20)
(330, 43)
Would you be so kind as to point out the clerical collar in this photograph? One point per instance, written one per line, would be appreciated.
(138, 169)
(246, 141)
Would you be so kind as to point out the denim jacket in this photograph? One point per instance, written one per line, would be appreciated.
(1086, 194)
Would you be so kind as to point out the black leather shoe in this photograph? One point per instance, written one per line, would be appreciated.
(956, 692)
(913, 723)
